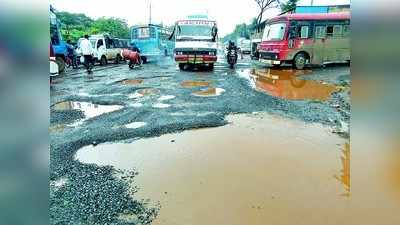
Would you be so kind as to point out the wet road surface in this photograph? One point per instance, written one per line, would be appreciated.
(285, 153)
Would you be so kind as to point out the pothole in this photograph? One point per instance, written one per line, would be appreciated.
(209, 92)
(191, 83)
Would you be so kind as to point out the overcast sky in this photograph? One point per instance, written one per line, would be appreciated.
(228, 13)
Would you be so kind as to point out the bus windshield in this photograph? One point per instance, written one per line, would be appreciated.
(274, 32)
(194, 30)
(143, 33)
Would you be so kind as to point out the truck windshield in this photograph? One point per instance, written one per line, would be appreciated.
(194, 30)
(274, 32)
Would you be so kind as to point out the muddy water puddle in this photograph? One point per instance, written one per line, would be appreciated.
(148, 91)
(192, 83)
(209, 92)
(285, 84)
(89, 109)
(131, 81)
(257, 170)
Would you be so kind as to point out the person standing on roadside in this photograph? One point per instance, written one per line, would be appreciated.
(72, 54)
(87, 52)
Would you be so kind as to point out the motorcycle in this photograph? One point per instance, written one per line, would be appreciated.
(232, 57)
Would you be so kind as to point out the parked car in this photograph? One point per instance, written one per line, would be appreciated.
(105, 47)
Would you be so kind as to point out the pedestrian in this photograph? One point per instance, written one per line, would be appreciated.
(72, 54)
(87, 52)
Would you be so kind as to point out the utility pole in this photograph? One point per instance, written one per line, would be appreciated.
(149, 11)
(312, 2)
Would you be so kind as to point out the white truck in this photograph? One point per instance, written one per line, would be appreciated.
(245, 46)
(105, 48)
(196, 41)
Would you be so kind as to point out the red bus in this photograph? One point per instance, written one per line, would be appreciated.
(302, 39)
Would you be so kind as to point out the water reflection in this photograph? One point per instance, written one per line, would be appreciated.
(89, 109)
(344, 176)
(285, 84)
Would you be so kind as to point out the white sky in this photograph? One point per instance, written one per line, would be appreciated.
(228, 13)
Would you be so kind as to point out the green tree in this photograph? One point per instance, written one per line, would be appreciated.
(114, 26)
(289, 5)
(264, 5)
(76, 25)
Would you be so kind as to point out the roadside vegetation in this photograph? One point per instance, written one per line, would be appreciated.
(76, 25)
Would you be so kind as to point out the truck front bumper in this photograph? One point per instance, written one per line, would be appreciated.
(270, 62)
(195, 59)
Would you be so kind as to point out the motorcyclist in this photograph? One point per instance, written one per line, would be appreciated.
(136, 49)
(232, 48)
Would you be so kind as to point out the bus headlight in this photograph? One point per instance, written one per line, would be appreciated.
(211, 53)
(179, 53)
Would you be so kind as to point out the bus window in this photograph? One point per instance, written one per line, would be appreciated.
(329, 31)
(320, 31)
(304, 32)
(337, 31)
(346, 30)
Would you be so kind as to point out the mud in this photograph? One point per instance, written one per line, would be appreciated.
(94, 195)
(148, 91)
(190, 84)
(259, 169)
(209, 92)
(89, 109)
(285, 84)
(132, 81)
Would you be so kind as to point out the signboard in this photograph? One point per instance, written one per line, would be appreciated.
(196, 22)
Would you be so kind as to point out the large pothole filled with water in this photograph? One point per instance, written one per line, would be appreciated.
(259, 169)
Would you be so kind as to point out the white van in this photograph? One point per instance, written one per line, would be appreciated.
(105, 49)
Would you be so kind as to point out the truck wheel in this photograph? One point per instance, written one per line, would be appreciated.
(61, 64)
(211, 66)
(118, 59)
(299, 61)
(181, 66)
(103, 61)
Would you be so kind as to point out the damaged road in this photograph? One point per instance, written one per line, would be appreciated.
(117, 104)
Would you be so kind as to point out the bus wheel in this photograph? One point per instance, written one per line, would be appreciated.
(181, 66)
(103, 61)
(61, 64)
(299, 61)
(211, 66)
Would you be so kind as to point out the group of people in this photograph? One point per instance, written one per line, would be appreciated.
(87, 51)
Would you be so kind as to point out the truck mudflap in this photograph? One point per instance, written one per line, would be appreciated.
(195, 59)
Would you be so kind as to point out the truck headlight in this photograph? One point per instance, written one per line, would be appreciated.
(179, 53)
(211, 53)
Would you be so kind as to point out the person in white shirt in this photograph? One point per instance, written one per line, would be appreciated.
(87, 52)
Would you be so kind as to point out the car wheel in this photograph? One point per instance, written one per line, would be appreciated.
(103, 61)
(181, 66)
(299, 61)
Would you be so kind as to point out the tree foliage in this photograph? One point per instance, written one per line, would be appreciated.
(242, 30)
(76, 25)
(289, 5)
(264, 5)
